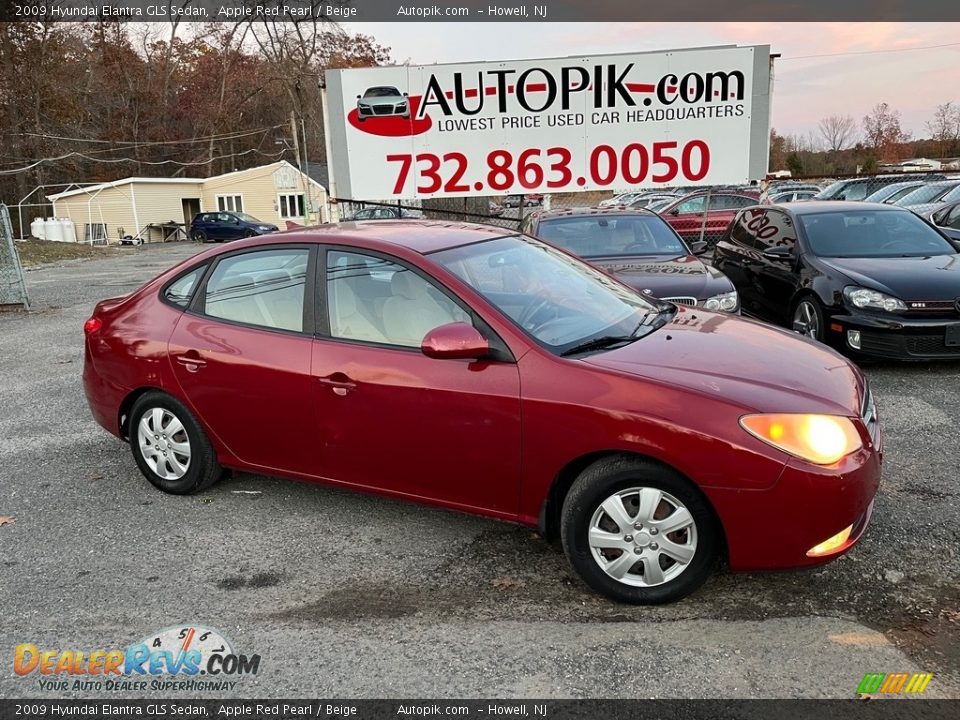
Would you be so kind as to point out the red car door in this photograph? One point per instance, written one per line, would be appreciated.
(393, 419)
(242, 358)
(686, 216)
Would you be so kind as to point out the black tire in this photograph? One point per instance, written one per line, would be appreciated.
(249, 234)
(817, 316)
(202, 469)
(199, 236)
(603, 480)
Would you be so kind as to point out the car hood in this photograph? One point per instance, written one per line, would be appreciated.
(663, 276)
(757, 366)
(935, 277)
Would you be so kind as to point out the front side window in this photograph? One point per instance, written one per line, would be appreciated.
(692, 205)
(263, 288)
(872, 233)
(924, 194)
(557, 299)
(370, 299)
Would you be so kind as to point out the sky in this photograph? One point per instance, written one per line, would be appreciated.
(806, 88)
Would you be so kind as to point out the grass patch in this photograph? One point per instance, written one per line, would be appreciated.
(34, 253)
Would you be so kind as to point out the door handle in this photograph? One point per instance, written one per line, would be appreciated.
(191, 361)
(340, 383)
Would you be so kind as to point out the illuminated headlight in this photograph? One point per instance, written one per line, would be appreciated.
(819, 439)
(865, 298)
(726, 302)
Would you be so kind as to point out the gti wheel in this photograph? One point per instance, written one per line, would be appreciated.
(170, 447)
(639, 532)
(199, 236)
(808, 319)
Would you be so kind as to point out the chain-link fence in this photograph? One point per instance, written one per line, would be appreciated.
(699, 215)
(13, 288)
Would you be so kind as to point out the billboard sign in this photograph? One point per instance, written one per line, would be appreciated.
(683, 117)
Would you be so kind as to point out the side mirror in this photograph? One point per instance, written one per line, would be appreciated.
(675, 211)
(358, 97)
(455, 341)
(779, 253)
(406, 94)
(699, 247)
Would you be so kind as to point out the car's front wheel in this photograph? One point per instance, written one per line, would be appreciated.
(639, 532)
(199, 236)
(808, 319)
(169, 446)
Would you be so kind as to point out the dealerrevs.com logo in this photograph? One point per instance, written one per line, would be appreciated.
(188, 658)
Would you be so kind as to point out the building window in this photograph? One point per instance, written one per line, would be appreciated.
(291, 205)
(230, 203)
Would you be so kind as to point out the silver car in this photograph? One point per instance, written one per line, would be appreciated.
(382, 101)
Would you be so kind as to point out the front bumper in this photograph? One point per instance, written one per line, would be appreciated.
(896, 338)
(774, 529)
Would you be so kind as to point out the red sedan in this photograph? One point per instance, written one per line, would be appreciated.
(706, 215)
(462, 367)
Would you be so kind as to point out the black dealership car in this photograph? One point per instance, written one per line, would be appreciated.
(866, 278)
(639, 248)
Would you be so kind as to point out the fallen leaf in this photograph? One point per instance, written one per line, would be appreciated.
(505, 583)
(7, 520)
(94, 476)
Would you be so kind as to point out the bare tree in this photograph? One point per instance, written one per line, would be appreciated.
(882, 131)
(945, 127)
(838, 132)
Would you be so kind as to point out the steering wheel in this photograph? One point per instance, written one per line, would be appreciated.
(531, 311)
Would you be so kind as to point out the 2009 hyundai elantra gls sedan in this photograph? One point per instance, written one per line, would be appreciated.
(495, 374)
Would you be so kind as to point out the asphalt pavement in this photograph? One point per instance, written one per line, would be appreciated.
(349, 595)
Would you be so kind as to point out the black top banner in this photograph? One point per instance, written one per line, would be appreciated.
(531, 11)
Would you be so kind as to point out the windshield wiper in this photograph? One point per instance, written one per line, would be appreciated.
(605, 341)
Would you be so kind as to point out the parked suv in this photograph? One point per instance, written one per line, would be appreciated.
(221, 226)
(706, 213)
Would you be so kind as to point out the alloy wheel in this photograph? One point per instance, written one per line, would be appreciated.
(642, 537)
(806, 321)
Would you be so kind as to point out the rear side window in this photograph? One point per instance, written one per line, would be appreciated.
(181, 290)
(263, 288)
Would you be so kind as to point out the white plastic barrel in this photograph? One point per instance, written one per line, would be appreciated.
(54, 229)
(37, 229)
(69, 232)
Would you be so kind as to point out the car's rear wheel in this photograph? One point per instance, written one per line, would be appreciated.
(170, 447)
(808, 318)
(639, 532)
(199, 236)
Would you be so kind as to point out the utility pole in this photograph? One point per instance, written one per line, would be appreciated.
(296, 151)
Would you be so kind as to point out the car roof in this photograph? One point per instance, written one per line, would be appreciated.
(826, 206)
(420, 236)
(591, 211)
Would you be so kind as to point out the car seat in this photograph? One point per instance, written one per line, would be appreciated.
(411, 312)
(346, 320)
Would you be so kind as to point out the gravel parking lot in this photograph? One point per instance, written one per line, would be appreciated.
(348, 595)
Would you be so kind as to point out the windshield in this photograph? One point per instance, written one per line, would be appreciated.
(925, 194)
(604, 235)
(558, 300)
(831, 190)
(871, 234)
(381, 92)
(246, 218)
